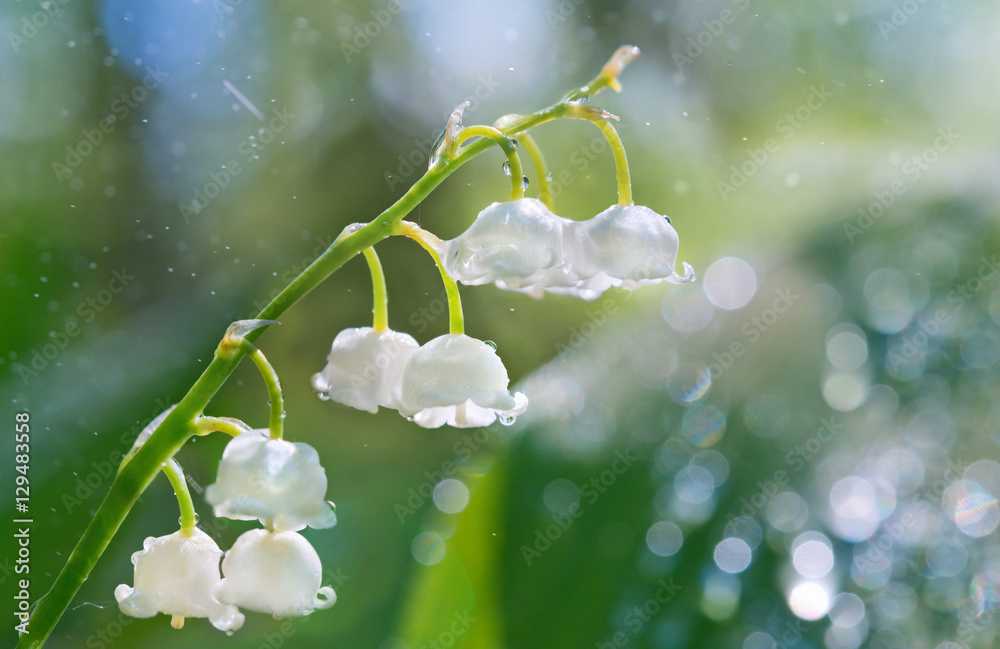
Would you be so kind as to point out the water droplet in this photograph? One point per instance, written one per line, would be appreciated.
(491, 344)
(548, 177)
(507, 420)
(525, 182)
(506, 167)
(513, 143)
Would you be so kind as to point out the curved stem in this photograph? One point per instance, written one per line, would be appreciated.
(277, 422)
(380, 296)
(513, 165)
(621, 161)
(233, 427)
(174, 473)
(541, 169)
(429, 242)
(179, 426)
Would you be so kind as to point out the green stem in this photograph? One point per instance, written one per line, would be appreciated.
(513, 166)
(429, 242)
(227, 425)
(541, 169)
(380, 296)
(178, 427)
(621, 161)
(174, 473)
(277, 422)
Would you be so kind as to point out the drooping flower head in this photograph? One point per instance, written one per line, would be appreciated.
(626, 246)
(511, 242)
(274, 572)
(460, 381)
(175, 574)
(364, 367)
(281, 483)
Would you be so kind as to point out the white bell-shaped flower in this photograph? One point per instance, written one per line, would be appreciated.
(509, 243)
(459, 381)
(175, 574)
(364, 367)
(281, 483)
(626, 246)
(274, 572)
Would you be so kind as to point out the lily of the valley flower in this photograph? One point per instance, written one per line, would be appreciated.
(459, 381)
(274, 572)
(175, 574)
(281, 483)
(363, 368)
(512, 242)
(626, 246)
(522, 246)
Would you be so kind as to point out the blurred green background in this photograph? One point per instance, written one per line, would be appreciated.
(809, 432)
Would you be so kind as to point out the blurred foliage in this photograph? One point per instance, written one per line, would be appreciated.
(363, 89)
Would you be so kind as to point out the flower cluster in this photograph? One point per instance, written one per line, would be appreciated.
(273, 570)
(522, 246)
(452, 379)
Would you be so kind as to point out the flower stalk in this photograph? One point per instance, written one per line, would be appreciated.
(189, 519)
(380, 297)
(513, 165)
(432, 244)
(541, 169)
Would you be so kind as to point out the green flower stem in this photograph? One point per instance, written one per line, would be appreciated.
(380, 296)
(227, 425)
(513, 166)
(178, 426)
(277, 422)
(429, 242)
(621, 161)
(174, 473)
(541, 169)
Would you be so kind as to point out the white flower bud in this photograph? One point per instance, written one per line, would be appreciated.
(274, 572)
(175, 574)
(460, 381)
(626, 246)
(364, 367)
(281, 483)
(510, 242)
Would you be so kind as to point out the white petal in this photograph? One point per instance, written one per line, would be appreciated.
(452, 369)
(175, 574)
(364, 366)
(273, 572)
(271, 479)
(629, 243)
(508, 241)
